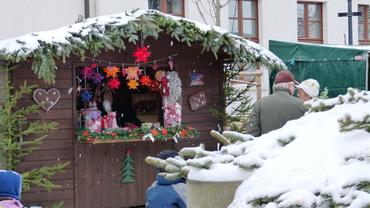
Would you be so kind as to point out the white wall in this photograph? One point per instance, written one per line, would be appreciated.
(275, 23)
(18, 17)
(106, 7)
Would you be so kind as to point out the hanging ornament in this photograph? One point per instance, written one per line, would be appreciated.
(132, 72)
(174, 83)
(114, 83)
(155, 66)
(128, 169)
(124, 73)
(86, 96)
(111, 71)
(145, 80)
(132, 84)
(165, 90)
(159, 74)
(170, 63)
(87, 72)
(97, 78)
(142, 54)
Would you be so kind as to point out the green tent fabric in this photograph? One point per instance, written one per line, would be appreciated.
(334, 67)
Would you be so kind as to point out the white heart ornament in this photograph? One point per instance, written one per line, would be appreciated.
(46, 99)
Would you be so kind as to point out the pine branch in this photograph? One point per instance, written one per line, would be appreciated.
(41, 176)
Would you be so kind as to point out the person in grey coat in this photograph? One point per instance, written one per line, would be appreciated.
(273, 111)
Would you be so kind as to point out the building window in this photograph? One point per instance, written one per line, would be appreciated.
(174, 7)
(243, 18)
(363, 25)
(309, 21)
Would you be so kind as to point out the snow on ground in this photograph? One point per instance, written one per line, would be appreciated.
(306, 163)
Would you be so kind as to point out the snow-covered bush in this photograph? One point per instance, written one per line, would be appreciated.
(319, 160)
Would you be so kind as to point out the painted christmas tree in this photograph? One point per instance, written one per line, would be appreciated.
(128, 169)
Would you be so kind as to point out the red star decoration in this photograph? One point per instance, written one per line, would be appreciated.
(145, 80)
(141, 54)
(113, 84)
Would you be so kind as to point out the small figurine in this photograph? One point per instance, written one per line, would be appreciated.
(109, 121)
(92, 117)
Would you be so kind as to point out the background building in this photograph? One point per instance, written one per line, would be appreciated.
(314, 21)
(259, 20)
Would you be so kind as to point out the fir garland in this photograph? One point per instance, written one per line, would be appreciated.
(112, 36)
(155, 134)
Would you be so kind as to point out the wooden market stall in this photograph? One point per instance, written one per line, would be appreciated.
(110, 103)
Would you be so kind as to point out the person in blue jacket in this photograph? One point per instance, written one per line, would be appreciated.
(166, 193)
(10, 189)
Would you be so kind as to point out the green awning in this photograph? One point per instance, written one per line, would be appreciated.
(334, 67)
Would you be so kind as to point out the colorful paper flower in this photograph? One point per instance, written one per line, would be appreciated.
(183, 133)
(154, 132)
(114, 83)
(111, 71)
(132, 72)
(132, 84)
(97, 78)
(93, 65)
(145, 80)
(86, 96)
(164, 131)
(141, 54)
(85, 133)
(87, 72)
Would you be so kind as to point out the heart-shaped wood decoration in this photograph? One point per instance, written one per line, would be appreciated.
(46, 99)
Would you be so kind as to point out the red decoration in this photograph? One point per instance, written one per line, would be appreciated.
(154, 132)
(87, 72)
(141, 54)
(145, 80)
(183, 133)
(164, 131)
(165, 90)
(85, 133)
(113, 84)
(153, 86)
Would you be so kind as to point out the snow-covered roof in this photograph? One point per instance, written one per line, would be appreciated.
(109, 31)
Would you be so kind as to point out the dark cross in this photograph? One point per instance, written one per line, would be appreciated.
(349, 14)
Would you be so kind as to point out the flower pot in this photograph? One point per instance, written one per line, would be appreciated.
(209, 194)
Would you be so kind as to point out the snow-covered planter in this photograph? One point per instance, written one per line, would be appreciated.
(319, 160)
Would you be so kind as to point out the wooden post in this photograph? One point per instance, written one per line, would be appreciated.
(259, 84)
(258, 74)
